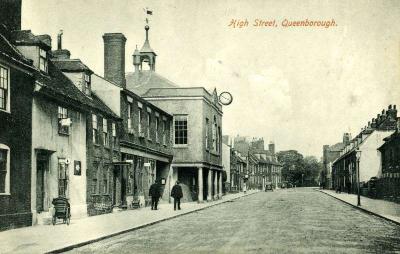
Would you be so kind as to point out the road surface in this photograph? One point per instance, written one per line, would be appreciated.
(299, 220)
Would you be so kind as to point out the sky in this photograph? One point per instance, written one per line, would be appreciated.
(299, 87)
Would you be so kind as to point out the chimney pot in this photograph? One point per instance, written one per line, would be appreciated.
(59, 39)
(394, 106)
(390, 106)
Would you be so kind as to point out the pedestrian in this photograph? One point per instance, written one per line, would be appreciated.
(177, 194)
(244, 188)
(155, 193)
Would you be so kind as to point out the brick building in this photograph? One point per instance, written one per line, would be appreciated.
(16, 94)
(268, 168)
(145, 131)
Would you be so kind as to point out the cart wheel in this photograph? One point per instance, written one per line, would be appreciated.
(54, 220)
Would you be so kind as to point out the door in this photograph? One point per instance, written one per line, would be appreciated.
(41, 167)
(115, 190)
(124, 177)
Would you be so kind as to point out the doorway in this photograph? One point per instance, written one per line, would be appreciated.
(41, 168)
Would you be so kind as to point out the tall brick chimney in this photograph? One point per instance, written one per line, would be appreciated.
(114, 58)
(10, 14)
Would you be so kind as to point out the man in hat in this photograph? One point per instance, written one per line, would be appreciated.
(155, 193)
(177, 194)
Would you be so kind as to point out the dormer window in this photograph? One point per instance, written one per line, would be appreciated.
(43, 60)
(86, 85)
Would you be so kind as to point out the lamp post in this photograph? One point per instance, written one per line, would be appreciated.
(358, 156)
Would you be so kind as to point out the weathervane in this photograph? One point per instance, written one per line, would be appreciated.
(148, 12)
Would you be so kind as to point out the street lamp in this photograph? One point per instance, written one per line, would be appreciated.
(358, 156)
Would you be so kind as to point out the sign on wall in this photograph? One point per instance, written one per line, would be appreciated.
(77, 168)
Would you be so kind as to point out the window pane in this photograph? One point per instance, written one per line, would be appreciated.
(3, 170)
(180, 124)
(105, 125)
(94, 121)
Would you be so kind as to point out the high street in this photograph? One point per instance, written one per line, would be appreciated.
(300, 220)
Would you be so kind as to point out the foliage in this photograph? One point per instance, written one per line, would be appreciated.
(299, 170)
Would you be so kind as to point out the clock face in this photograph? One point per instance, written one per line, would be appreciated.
(225, 98)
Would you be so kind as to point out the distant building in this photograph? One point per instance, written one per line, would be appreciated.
(226, 164)
(331, 153)
(266, 168)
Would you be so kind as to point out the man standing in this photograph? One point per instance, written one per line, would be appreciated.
(177, 194)
(155, 193)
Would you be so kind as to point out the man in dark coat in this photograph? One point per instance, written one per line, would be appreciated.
(155, 193)
(177, 194)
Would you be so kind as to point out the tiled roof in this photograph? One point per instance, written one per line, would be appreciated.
(8, 51)
(26, 37)
(142, 81)
(56, 84)
(71, 65)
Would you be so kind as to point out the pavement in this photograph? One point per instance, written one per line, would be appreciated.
(381, 208)
(299, 220)
(61, 237)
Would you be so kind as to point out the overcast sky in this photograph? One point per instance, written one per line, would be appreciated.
(301, 87)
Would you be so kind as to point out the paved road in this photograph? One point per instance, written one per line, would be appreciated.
(284, 221)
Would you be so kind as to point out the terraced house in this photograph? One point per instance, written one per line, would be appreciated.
(63, 109)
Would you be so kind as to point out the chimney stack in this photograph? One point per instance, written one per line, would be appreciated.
(271, 147)
(392, 112)
(114, 58)
(60, 53)
(59, 40)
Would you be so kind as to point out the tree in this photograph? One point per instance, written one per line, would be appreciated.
(299, 170)
(292, 165)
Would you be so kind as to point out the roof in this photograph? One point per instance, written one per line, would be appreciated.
(142, 81)
(337, 147)
(26, 37)
(154, 107)
(56, 83)
(71, 65)
(9, 51)
(146, 48)
(389, 139)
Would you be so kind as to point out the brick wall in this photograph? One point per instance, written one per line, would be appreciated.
(16, 133)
